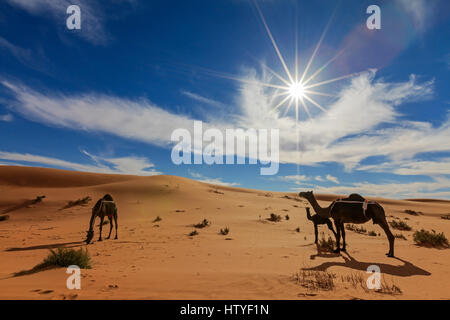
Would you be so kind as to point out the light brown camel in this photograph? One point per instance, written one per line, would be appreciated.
(104, 207)
(354, 209)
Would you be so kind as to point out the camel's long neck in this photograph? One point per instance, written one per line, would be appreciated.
(91, 222)
(323, 212)
(308, 214)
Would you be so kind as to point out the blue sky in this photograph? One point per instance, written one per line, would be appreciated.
(107, 97)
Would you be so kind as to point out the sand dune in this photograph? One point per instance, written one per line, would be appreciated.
(258, 259)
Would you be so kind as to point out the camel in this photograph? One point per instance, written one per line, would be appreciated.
(104, 207)
(317, 220)
(354, 209)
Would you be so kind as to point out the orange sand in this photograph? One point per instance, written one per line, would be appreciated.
(160, 261)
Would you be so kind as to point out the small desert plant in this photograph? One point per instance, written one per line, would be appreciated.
(224, 231)
(287, 217)
(193, 233)
(4, 217)
(355, 280)
(38, 199)
(372, 233)
(79, 202)
(389, 289)
(400, 236)
(427, 238)
(157, 219)
(202, 224)
(298, 229)
(412, 212)
(400, 225)
(316, 280)
(63, 258)
(356, 229)
(274, 217)
(326, 245)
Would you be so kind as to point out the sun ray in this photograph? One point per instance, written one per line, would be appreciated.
(315, 103)
(306, 108)
(320, 93)
(318, 71)
(281, 103)
(275, 73)
(273, 41)
(305, 72)
(288, 107)
(332, 80)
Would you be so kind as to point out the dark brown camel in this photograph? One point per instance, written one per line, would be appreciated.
(351, 210)
(104, 207)
(317, 220)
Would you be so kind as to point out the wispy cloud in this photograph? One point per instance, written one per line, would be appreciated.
(203, 100)
(329, 177)
(437, 188)
(122, 165)
(217, 181)
(21, 54)
(6, 117)
(349, 132)
(420, 11)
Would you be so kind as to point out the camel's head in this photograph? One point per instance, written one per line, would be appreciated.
(306, 194)
(89, 236)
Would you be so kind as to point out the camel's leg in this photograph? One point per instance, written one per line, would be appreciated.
(101, 227)
(384, 225)
(110, 227)
(343, 237)
(316, 232)
(115, 219)
(338, 236)
(330, 226)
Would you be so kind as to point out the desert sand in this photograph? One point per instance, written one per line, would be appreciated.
(258, 259)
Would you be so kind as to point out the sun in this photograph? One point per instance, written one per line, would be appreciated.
(296, 90)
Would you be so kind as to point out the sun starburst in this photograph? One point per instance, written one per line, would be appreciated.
(295, 87)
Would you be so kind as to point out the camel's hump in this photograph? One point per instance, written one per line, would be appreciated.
(355, 197)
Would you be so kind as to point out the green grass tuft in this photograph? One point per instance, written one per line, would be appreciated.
(427, 238)
(400, 225)
(274, 217)
(202, 224)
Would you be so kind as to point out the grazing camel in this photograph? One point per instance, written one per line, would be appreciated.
(354, 209)
(104, 207)
(316, 219)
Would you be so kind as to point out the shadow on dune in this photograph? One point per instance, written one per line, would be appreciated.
(405, 270)
(49, 246)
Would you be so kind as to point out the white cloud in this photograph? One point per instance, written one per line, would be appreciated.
(123, 165)
(23, 55)
(297, 179)
(349, 132)
(412, 167)
(216, 181)
(420, 11)
(202, 99)
(436, 188)
(332, 179)
(318, 178)
(6, 117)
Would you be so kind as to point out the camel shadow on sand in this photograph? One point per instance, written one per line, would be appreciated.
(405, 270)
(49, 246)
